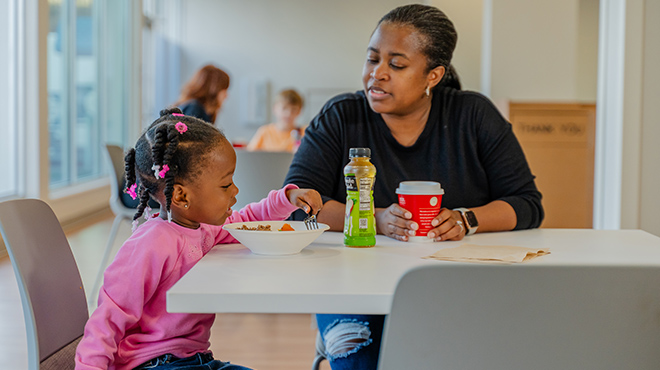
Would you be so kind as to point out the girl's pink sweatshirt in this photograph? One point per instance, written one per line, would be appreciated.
(131, 324)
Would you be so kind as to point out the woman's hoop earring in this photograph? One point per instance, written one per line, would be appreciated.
(428, 91)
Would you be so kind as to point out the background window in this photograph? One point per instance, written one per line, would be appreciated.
(88, 59)
(8, 128)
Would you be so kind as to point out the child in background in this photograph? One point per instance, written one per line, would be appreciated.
(187, 166)
(282, 135)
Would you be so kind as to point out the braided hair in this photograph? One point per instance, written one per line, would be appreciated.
(438, 36)
(163, 150)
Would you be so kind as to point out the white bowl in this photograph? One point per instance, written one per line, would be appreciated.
(275, 242)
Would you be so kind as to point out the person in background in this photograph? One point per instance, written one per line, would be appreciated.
(418, 128)
(281, 135)
(202, 96)
(187, 166)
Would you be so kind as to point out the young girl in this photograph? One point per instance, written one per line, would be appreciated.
(187, 166)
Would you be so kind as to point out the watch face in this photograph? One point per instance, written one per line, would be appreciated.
(471, 219)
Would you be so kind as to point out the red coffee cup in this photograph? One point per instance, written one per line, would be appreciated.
(423, 200)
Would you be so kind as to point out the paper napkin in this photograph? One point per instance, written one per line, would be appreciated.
(488, 253)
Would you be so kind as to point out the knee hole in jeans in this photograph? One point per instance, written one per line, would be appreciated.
(345, 337)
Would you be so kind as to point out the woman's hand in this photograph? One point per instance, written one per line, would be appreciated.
(447, 225)
(308, 199)
(395, 222)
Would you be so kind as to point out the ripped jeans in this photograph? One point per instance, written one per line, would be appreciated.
(352, 342)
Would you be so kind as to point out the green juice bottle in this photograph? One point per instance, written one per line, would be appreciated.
(359, 220)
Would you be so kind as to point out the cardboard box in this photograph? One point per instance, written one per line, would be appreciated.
(558, 141)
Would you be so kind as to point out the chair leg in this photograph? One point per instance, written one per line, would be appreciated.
(320, 352)
(104, 260)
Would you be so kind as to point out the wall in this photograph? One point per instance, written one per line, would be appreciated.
(538, 53)
(317, 47)
(298, 43)
(467, 18)
(650, 171)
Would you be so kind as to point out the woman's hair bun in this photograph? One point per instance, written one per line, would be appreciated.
(170, 110)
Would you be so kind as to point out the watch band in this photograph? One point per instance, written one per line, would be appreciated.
(469, 220)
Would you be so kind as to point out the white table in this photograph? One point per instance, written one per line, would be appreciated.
(327, 277)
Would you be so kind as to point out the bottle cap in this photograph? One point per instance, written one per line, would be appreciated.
(359, 152)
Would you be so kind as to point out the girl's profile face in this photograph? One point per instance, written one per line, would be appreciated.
(395, 73)
(212, 193)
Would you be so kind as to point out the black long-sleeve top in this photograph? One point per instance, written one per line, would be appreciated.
(466, 146)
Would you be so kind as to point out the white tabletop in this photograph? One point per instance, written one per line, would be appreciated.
(327, 277)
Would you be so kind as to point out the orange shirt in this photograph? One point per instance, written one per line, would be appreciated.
(270, 138)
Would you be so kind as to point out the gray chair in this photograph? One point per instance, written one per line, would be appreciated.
(524, 317)
(115, 162)
(50, 286)
(319, 356)
(257, 173)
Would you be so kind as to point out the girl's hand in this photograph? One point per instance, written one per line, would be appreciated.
(307, 199)
(447, 225)
(395, 222)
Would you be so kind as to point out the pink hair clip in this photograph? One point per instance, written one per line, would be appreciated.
(134, 225)
(162, 172)
(177, 114)
(131, 191)
(181, 127)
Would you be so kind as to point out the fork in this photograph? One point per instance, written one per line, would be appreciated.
(311, 223)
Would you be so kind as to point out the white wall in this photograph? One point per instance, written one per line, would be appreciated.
(316, 47)
(541, 50)
(650, 171)
(467, 18)
(544, 50)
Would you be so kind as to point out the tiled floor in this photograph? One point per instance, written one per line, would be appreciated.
(259, 341)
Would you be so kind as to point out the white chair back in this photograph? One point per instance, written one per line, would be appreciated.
(524, 317)
(257, 173)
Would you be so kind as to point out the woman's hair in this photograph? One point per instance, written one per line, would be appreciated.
(204, 86)
(174, 146)
(290, 97)
(437, 32)
(451, 79)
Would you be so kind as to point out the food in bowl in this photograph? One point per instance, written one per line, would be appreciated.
(257, 228)
(271, 242)
(285, 227)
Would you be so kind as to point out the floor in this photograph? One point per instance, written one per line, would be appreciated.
(258, 341)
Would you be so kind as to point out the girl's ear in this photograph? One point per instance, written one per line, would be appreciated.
(179, 195)
(435, 76)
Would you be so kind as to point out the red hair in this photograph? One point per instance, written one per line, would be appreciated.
(204, 86)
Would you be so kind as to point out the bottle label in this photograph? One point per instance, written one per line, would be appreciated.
(359, 216)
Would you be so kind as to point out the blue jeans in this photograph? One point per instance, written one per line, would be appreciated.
(199, 361)
(352, 342)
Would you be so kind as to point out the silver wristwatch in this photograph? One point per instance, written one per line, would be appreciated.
(469, 219)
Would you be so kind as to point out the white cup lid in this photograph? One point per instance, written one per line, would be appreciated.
(420, 187)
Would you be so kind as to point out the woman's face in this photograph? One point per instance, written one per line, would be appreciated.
(395, 73)
(222, 95)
